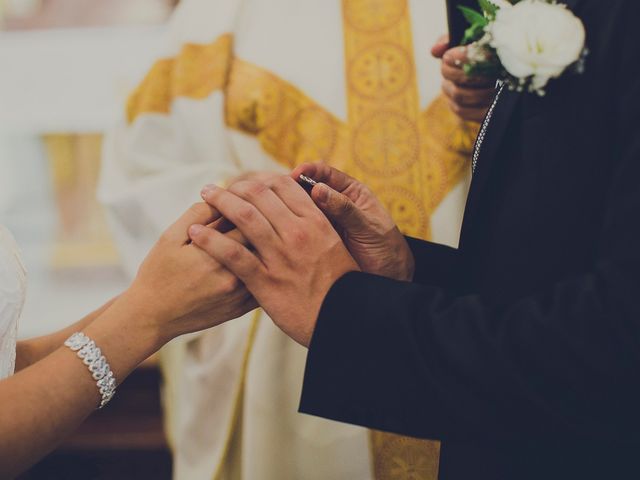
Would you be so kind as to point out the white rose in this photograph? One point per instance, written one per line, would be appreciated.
(537, 39)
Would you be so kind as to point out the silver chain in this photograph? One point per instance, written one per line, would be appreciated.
(483, 130)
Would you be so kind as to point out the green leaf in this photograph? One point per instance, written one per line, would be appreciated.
(473, 17)
(489, 8)
(472, 34)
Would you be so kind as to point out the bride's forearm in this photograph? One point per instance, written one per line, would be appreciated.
(45, 402)
(30, 351)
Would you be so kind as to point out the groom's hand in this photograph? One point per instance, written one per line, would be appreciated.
(469, 96)
(296, 257)
(366, 227)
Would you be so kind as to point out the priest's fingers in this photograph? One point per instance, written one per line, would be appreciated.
(468, 97)
(469, 114)
(200, 213)
(231, 254)
(441, 46)
(321, 172)
(340, 209)
(456, 74)
(244, 215)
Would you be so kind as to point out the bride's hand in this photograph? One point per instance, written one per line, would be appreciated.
(180, 289)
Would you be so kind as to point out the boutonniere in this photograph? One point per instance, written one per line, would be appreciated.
(525, 43)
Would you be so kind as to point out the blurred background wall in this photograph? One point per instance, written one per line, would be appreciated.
(66, 67)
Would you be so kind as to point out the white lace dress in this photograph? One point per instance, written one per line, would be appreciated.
(13, 283)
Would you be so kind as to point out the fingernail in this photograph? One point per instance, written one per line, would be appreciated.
(194, 230)
(206, 190)
(323, 192)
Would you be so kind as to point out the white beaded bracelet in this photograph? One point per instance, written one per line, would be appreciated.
(92, 357)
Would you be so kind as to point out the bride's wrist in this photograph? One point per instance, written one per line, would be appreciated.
(128, 333)
(149, 320)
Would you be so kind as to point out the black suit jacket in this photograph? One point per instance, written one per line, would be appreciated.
(520, 350)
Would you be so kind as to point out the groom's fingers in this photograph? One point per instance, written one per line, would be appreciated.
(267, 202)
(245, 216)
(237, 236)
(294, 197)
(231, 254)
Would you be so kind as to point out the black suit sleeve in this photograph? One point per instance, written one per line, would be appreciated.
(422, 360)
(435, 264)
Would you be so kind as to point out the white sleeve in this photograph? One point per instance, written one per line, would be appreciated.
(154, 166)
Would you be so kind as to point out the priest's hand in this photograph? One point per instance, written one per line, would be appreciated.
(366, 227)
(469, 96)
(296, 254)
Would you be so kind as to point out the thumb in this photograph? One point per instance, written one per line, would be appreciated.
(338, 208)
(441, 46)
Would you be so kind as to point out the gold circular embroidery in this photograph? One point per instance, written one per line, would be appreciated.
(380, 71)
(403, 458)
(437, 180)
(452, 133)
(310, 136)
(406, 209)
(374, 15)
(386, 143)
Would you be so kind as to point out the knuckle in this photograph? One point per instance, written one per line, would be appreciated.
(297, 237)
(282, 181)
(367, 192)
(246, 214)
(249, 188)
(458, 96)
(203, 240)
(456, 93)
(235, 253)
(445, 71)
(347, 207)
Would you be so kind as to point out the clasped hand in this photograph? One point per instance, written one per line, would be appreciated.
(300, 245)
